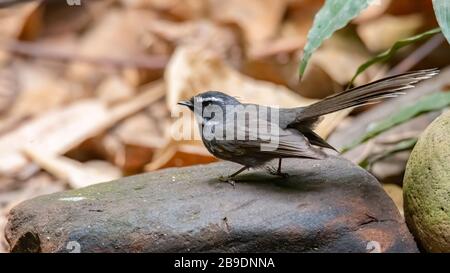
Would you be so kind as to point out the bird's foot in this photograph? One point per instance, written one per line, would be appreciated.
(276, 172)
(284, 175)
(228, 179)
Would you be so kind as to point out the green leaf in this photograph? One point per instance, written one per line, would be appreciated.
(426, 104)
(390, 52)
(442, 10)
(403, 145)
(334, 15)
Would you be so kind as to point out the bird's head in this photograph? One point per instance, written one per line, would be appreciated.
(209, 102)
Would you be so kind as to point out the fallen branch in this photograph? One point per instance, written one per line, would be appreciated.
(38, 50)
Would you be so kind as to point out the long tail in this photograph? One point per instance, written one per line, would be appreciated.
(366, 94)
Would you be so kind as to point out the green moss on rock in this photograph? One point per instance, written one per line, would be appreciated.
(427, 187)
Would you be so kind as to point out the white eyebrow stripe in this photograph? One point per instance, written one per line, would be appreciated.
(212, 99)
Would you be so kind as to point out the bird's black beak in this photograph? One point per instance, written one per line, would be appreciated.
(187, 103)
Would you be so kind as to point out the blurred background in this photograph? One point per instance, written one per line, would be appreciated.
(87, 91)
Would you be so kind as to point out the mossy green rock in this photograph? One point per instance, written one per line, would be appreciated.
(427, 187)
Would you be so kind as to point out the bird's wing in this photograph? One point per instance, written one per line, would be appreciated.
(288, 117)
(274, 141)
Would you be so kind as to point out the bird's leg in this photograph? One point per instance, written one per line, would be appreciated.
(229, 179)
(278, 171)
(238, 172)
(279, 166)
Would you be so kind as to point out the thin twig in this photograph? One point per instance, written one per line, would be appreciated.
(418, 55)
(36, 50)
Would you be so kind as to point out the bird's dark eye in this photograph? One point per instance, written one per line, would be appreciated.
(206, 104)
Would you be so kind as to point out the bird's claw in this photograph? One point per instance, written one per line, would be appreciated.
(276, 172)
(280, 174)
(228, 180)
(271, 170)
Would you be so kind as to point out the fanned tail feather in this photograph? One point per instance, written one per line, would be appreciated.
(370, 93)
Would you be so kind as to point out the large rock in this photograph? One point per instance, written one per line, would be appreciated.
(427, 187)
(324, 206)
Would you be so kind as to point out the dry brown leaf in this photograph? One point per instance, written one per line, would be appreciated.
(282, 68)
(293, 30)
(40, 89)
(380, 34)
(151, 93)
(284, 45)
(316, 83)
(277, 60)
(136, 77)
(259, 19)
(54, 132)
(403, 7)
(114, 89)
(139, 137)
(340, 57)
(375, 9)
(202, 33)
(300, 18)
(21, 21)
(180, 9)
(141, 130)
(179, 154)
(130, 144)
(57, 131)
(6, 184)
(135, 158)
(276, 69)
(76, 174)
(106, 39)
(106, 146)
(8, 89)
(60, 18)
